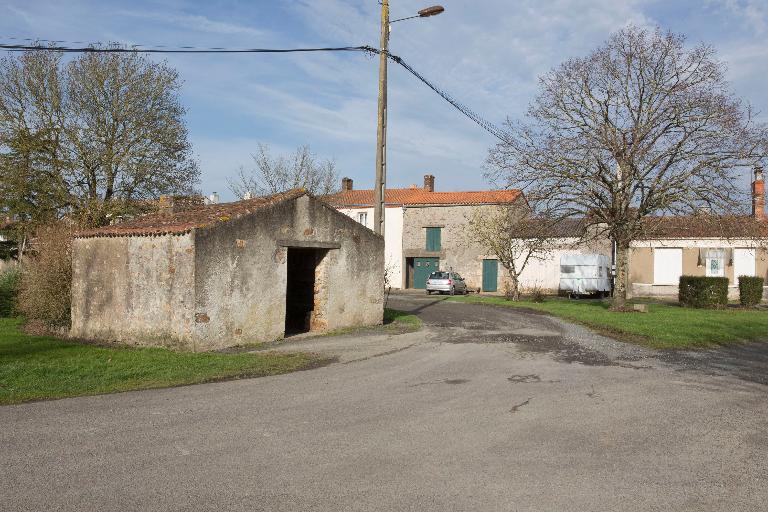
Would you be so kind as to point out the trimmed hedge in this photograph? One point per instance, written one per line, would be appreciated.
(9, 290)
(750, 290)
(703, 292)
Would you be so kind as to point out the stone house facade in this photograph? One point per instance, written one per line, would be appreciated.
(426, 230)
(220, 275)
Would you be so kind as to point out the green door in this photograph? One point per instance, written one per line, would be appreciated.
(422, 267)
(490, 275)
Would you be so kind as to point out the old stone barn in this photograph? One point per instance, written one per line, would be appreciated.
(213, 276)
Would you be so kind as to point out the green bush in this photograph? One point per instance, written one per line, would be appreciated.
(9, 290)
(703, 292)
(750, 290)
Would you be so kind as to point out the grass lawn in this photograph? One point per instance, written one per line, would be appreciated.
(37, 367)
(401, 321)
(666, 326)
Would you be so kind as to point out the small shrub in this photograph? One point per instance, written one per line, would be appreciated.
(509, 292)
(703, 292)
(44, 295)
(9, 290)
(536, 294)
(750, 290)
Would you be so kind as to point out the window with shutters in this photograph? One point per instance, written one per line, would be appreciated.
(433, 239)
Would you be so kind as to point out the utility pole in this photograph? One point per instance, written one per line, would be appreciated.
(379, 188)
(381, 131)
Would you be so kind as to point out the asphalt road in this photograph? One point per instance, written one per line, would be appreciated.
(485, 409)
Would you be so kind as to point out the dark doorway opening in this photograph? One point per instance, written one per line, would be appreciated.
(301, 289)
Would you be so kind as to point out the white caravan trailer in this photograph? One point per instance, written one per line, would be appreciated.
(585, 274)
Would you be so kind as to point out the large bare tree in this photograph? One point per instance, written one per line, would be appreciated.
(641, 127)
(99, 130)
(300, 169)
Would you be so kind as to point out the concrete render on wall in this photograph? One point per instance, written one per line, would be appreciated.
(393, 239)
(138, 290)
(544, 273)
(225, 285)
(241, 285)
(641, 264)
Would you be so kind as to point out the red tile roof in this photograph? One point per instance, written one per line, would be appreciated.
(419, 196)
(200, 216)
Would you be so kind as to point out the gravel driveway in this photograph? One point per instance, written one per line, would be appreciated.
(484, 409)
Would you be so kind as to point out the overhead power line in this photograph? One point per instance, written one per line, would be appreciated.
(474, 116)
(181, 49)
(55, 45)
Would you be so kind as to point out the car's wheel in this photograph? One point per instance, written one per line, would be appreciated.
(429, 292)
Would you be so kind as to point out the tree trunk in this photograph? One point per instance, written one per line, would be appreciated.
(514, 278)
(622, 269)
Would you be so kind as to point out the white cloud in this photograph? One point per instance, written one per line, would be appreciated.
(753, 12)
(486, 54)
(193, 22)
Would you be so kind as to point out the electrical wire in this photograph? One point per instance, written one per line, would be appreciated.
(181, 49)
(474, 116)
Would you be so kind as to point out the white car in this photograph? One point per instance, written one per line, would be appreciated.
(446, 282)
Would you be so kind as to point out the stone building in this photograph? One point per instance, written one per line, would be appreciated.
(426, 230)
(218, 275)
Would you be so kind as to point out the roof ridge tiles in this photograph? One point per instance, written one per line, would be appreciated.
(184, 221)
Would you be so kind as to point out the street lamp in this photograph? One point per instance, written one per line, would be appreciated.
(381, 132)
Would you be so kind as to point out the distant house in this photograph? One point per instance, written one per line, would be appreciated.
(565, 238)
(425, 231)
(701, 245)
(218, 275)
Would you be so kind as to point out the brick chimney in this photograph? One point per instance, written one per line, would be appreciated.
(758, 194)
(346, 184)
(429, 183)
(165, 204)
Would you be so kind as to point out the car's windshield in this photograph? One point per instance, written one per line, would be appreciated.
(439, 275)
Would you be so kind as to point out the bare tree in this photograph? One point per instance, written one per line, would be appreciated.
(513, 236)
(125, 128)
(100, 130)
(643, 126)
(301, 169)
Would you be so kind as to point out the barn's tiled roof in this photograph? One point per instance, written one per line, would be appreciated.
(420, 196)
(199, 216)
(561, 228)
(704, 226)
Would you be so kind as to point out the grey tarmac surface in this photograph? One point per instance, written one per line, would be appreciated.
(485, 409)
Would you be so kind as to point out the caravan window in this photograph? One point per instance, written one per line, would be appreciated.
(567, 269)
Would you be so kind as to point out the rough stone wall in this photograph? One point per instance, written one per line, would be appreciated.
(240, 274)
(136, 290)
(457, 250)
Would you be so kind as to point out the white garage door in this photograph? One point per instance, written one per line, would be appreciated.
(667, 266)
(743, 263)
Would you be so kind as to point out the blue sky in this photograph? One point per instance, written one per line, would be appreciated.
(487, 54)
